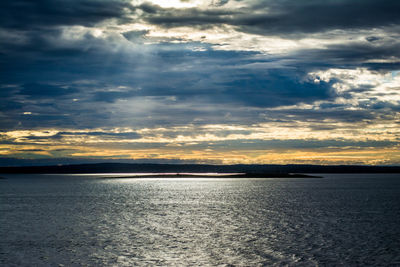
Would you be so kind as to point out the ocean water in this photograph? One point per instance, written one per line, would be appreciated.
(65, 220)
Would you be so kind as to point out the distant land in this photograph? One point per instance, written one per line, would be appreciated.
(253, 170)
(217, 175)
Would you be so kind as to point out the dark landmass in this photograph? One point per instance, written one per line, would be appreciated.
(252, 170)
(232, 175)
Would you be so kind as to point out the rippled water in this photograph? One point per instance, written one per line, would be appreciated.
(82, 220)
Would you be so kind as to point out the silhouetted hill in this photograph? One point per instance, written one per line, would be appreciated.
(193, 168)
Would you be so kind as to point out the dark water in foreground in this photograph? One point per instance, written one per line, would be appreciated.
(349, 220)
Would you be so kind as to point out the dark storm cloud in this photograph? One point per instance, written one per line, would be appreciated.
(27, 14)
(352, 55)
(180, 72)
(34, 90)
(182, 85)
(316, 16)
(81, 82)
(45, 56)
(283, 17)
(274, 88)
(171, 17)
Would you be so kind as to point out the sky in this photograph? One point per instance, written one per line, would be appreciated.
(201, 81)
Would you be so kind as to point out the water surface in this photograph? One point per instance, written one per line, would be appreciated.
(342, 219)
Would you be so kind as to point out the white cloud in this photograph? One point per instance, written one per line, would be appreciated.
(362, 84)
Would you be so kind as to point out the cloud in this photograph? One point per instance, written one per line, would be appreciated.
(316, 16)
(384, 55)
(135, 36)
(26, 14)
(101, 134)
(177, 86)
(45, 90)
(117, 77)
(281, 17)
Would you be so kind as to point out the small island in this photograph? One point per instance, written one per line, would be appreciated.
(216, 175)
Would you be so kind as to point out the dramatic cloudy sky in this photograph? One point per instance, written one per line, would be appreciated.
(216, 81)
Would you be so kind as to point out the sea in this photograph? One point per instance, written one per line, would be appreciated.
(98, 220)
